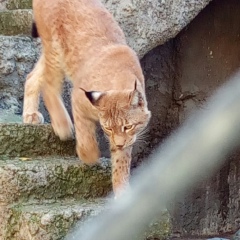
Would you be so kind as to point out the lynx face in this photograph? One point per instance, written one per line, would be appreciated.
(123, 115)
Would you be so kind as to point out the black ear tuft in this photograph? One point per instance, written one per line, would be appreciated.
(93, 96)
(34, 30)
(89, 95)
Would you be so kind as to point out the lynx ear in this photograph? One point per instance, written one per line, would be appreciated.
(136, 98)
(94, 96)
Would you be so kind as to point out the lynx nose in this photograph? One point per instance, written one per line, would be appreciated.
(119, 146)
(119, 141)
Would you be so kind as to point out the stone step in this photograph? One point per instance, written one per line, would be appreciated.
(25, 140)
(53, 221)
(15, 22)
(15, 4)
(44, 221)
(51, 179)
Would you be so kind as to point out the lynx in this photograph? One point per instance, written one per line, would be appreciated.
(81, 40)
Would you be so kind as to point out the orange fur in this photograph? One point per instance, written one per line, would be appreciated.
(81, 40)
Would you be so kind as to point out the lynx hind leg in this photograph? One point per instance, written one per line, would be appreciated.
(31, 95)
(51, 89)
(121, 163)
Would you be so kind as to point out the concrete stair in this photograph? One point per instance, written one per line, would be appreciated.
(40, 175)
(45, 189)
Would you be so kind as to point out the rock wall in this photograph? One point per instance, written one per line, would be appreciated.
(148, 24)
(207, 53)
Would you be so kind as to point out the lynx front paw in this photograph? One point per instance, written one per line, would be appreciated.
(33, 118)
(119, 191)
(63, 129)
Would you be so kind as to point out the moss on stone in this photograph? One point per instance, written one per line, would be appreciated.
(52, 179)
(22, 140)
(12, 220)
(19, 4)
(47, 221)
(15, 22)
(54, 221)
(158, 229)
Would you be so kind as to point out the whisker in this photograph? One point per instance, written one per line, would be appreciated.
(143, 135)
(144, 131)
(140, 141)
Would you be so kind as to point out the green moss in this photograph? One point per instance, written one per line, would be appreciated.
(19, 4)
(15, 22)
(13, 221)
(53, 178)
(159, 229)
(53, 221)
(22, 140)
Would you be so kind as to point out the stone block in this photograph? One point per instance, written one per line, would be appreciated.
(36, 180)
(45, 221)
(18, 4)
(23, 140)
(54, 221)
(15, 22)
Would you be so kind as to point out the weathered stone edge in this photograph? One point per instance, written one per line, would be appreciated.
(25, 140)
(47, 221)
(55, 221)
(39, 180)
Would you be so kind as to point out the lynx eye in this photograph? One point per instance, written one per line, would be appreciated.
(129, 127)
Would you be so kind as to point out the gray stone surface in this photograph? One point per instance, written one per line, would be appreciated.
(9, 116)
(46, 221)
(236, 235)
(37, 179)
(158, 229)
(211, 208)
(53, 221)
(17, 58)
(149, 24)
